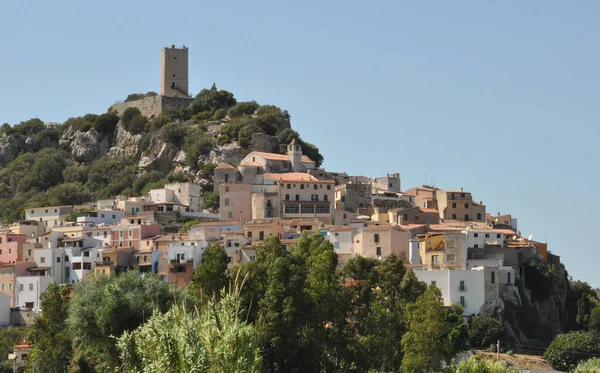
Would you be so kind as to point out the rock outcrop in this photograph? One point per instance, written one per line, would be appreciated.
(11, 146)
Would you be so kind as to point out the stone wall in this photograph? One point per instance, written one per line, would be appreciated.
(154, 105)
(23, 317)
(261, 142)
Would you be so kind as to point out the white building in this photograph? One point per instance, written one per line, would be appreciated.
(185, 194)
(471, 288)
(101, 217)
(51, 216)
(184, 251)
(29, 288)
(342, 239)
(479, 238)
(80, 257)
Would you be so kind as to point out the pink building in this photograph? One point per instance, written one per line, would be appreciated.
(131, 235)
(11, 246)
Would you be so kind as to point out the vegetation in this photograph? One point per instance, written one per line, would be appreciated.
(139, 96)
(8, 338)
(210, 201)
(211, 275)
(484, 331)
(567, 350)
(588, 366)
(474, 365)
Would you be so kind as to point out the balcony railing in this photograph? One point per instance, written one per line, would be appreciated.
(462, 288)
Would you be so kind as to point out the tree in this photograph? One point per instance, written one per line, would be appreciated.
(106, 123)
(588, 366)
(173, 133)
(567, 350)
(49, 334)
(137, 124)
(75, 174)
(214, 338)
(128, 115)
(243, 108)
(484, 331)
(424, 346)
(49, 166)
(8, 338)
(210, 201)
(144, 179)
(209, 100)
(102, 308)
(68, 194)
(211, 275)
(188, 225)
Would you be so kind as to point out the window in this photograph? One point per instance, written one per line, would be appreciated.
(261, 235)
(66, 258)
(466, 205)
(343, 198)
(463, 302)
(508, 278)
(287, 197)
(226, 201)
(475, 235)
(499, 235)
(466, 217)
(434, 260)
(453, 205)
(328, 187)
(478, 216)
(2, 287)
(10, 285)
(462, 195)
(451, 257)
(20, 287)
(10, 272)
(315, 187)
(76, 266)
(376, 237)
(378, 250)
(58, 259)
(292, 209)
(487, 235)
(322, 208)
(86, 254)
(289, 186)
(462, 286)
(314, 197)
(249, 234)
(230, 215)
(336, 245)
(325, 197)
(43, 259)
(226, 178)
(301, 186)
(452, 196)
(453, 216)
(307, 209)
(493, 277)
(476, 246)
(297, 197)
(87, 266)
(30, 287)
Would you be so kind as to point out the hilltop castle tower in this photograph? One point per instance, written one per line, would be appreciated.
(174, 72)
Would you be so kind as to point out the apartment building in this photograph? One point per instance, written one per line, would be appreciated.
(413, 215)
(11, 246)
(352, 196)
(342, 239)
(444, 250)
(459, 205)
(51, 216)
(259, 230)
(182, 194)
(381, 241)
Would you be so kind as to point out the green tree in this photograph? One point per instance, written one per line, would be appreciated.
(211, 275)
(8, 338)
(75, 174)
(188, 225)
(209, 100)
(588, 366)
(103, 307)
(484, 331)
(144, 179)
(213, 339)
(424, 346)
(106, 123)
(174, 133)
(242, 108)
(49, 166)
(567, 350)
(210, 201)
(49, 334)
(128, 115)
(137, 124)
(68, 194)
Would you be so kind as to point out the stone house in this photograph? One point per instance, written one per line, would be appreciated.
(353, 195)
(381, 241)
(459, 205)
(413, 215)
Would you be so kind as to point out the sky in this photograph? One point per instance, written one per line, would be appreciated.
(500, 98)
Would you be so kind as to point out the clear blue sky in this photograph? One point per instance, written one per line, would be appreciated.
(501, 98)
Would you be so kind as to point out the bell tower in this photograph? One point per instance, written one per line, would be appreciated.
(295, 155)
(174, 72)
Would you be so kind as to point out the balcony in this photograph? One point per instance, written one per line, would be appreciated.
(105, 263)
(462, 288)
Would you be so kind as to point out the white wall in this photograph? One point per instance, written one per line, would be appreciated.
(481, 238)
(104, 217)
(343, 241)
(33, 287)
(190, 250)
(448, 281)
(4, 309)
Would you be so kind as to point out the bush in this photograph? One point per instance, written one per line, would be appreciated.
(159, 121)
(589, 366)
(243, 108)
(484, 331)
(223, 140)
(210, 100)
(139, 96)
(86, 126)
(145, 142)
(137, 124)
(210, 201)
(174, 133)
(219, 114)
(473, 365)
(128, 115)
(567, 350)
(208, 170)
(106, 123)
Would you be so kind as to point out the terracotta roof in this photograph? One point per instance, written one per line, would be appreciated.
(456, 191)
(412, 226)
(342, 229)
(282, 157)
(380, 227)
(251, 164)
(506, 232)
(296, 177)
(217, 223)
(224, 166)
(444, 227)
(429, 211)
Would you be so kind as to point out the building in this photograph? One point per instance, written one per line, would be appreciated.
(477, 238)
(4, 310)
(413, 215)
(101, 217)
(353, 195)
(20, 356)
(11, 246)
(174, 72)
(131, 235)
(8, 278)
(131, 205)
(459, 205)
(390, 182)
(303, 196)
(342, 239)
(444, 250)
(259, 230)
(29, 289)
(381, 241)
(235, 202)
(51, 216)
(471, 288)
(182, 194)
(188, 250)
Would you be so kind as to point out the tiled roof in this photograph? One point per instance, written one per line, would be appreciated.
(225, 166)
(217, 223)
(251, 164)
(282, 157)
(342, 229)
(296, 177)
(430, 211)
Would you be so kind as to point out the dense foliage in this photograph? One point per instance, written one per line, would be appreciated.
(567, 350)
(211, 275)
(484, 331)
(8, 338)
(588, 366)
(474, 365)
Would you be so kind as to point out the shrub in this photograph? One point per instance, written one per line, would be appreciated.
(484, 330)
(159, 121)
(219, 114)
(208, 170)
(243, 108)
(567, 350)
(173, 133)
(474, 365)
(106, 123)
(145, 142)
(588, 366)
(86, 126)
(137, 124)
(210, 201)
(128, 115)
(223, 139)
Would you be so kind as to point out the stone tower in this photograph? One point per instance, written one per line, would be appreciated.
(295, 155)
(174, 72)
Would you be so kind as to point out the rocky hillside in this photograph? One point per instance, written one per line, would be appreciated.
(98, 156)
